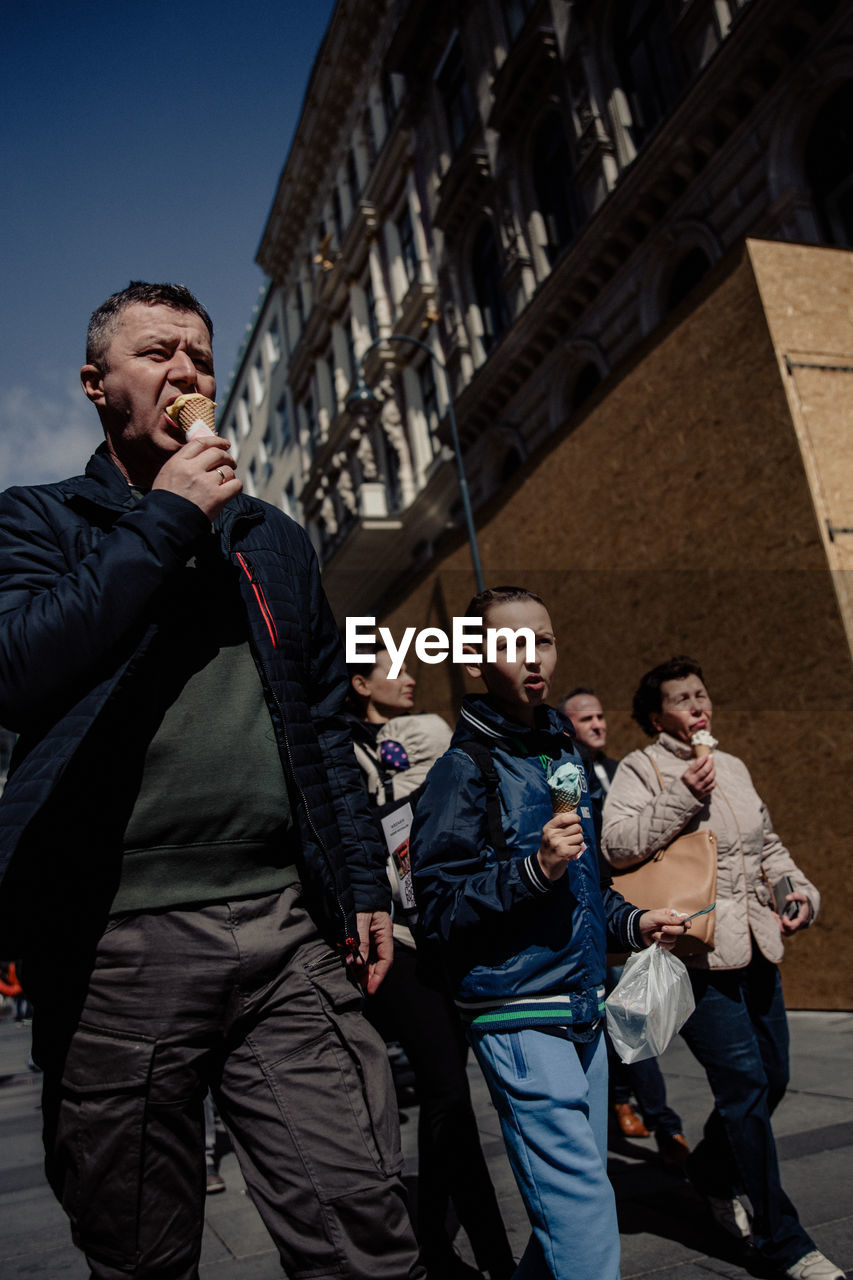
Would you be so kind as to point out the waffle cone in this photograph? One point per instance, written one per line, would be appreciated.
(193, 408)
(562, 804)
(700, 750)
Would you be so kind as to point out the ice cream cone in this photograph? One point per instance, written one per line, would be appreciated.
(565, 786)
(703, 743)
(186, 411)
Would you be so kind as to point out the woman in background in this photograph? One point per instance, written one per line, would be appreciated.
(739, 1031)
(396, 751)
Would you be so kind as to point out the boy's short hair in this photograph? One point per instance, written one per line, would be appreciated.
(479, 605)
(647, 699)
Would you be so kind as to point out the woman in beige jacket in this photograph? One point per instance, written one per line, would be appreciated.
(739, 1030)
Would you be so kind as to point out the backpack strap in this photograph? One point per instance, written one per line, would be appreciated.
(482, 757)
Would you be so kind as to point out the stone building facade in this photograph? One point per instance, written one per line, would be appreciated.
(622, 227)
(530, 187)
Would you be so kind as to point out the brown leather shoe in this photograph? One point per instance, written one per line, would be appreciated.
(629, 1122)
(673, 1149)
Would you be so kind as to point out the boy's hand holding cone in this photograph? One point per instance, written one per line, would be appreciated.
(562, 837)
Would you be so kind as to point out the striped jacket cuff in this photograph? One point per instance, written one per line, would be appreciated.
(635, 938)
(534, 876)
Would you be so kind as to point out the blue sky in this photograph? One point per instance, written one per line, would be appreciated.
(137, 141)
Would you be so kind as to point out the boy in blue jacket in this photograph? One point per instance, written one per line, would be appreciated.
(513, 896)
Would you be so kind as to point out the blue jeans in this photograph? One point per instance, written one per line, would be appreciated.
(739, 1034)
(550, 1094)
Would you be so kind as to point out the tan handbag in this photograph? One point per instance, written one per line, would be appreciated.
(683, 876)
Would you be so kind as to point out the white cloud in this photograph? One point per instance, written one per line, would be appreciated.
(47, 429)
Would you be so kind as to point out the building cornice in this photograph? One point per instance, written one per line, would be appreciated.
(337, 77)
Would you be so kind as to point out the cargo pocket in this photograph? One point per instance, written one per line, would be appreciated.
(365, 1074)
(97, 1158)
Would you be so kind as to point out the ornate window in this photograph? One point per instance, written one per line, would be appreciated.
(488, 286)
(244, 415)
(389, 97)
(337, 215)
(370, 302)
(515, 15)
(408, 249)
(266, 453)
(650, 61)
(272, 342)
(829, 166)
(553, 180)
(369, 137)
(310, 412)
(257, 379)
(429, 400)
(288, 501)
(352, 178)
(455, 94)
(351, 364)
(687, 274)
(282, 422)
(585, 383)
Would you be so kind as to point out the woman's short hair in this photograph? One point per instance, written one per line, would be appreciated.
(647, 699)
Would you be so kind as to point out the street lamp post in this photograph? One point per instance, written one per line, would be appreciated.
(361, 397)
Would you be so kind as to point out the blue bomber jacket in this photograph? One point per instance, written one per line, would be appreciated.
(81, 563)
(520, 950)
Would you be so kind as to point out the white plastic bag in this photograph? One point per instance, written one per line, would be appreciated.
(651, 1002)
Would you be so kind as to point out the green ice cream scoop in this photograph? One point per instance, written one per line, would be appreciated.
(565, 785)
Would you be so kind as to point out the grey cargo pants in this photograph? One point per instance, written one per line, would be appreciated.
(244, 997)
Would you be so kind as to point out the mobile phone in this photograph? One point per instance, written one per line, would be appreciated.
(781, 889)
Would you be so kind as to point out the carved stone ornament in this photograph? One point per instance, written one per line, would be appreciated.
(366, 458)
(346, 492)
(329, 516)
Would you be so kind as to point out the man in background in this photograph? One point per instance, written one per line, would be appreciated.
(587, 715)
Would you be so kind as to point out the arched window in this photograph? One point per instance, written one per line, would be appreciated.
(553, 181)
(829, 166)
(488, 286)
(452, 80)
(584, 385)
(650, 61)
(510, 466)
(687, 274)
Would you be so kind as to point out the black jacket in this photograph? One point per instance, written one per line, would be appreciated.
(80, 565)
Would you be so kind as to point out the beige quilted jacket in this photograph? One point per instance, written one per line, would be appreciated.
(639, 819)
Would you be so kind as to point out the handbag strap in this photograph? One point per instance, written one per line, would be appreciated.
(648, 752)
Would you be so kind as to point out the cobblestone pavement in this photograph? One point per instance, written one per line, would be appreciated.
(665, 1229)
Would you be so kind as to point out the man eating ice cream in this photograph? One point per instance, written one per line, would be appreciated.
(193, 876)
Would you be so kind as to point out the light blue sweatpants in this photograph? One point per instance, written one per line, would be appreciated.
(551, 1096)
